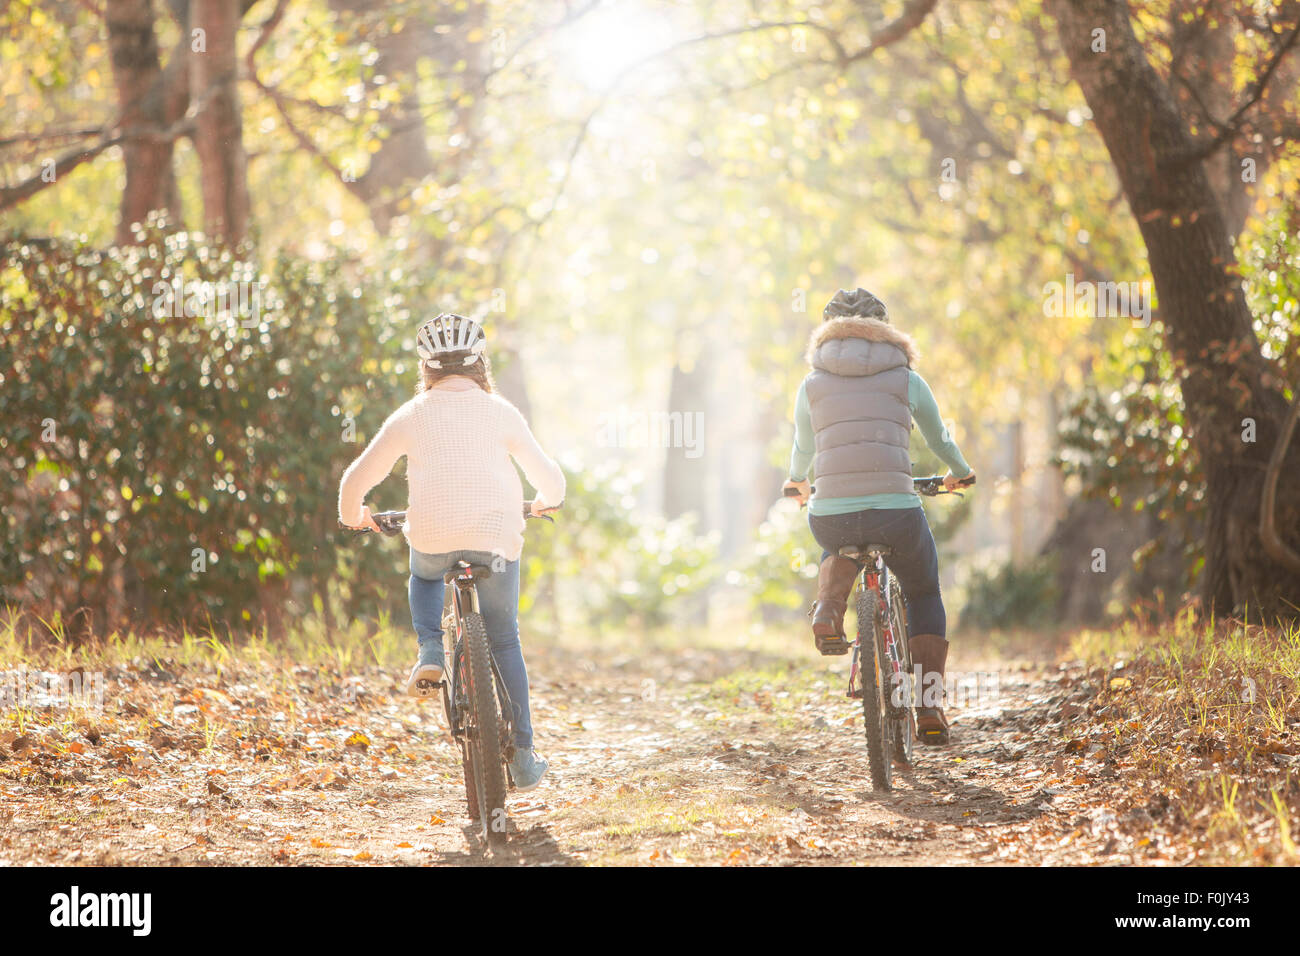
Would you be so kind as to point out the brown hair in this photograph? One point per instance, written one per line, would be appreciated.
(480, 373)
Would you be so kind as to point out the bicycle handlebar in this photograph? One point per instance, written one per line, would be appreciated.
(390, 522)
(933, 485)
(930, 486)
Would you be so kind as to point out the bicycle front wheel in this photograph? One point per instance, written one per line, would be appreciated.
(875, 705)
(456, 717)
(486, 778)
(903, 712)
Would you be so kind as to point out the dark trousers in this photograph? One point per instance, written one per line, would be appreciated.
(915, 561)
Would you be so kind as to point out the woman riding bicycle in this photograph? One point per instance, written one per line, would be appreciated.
(853, 417)
(465, 503)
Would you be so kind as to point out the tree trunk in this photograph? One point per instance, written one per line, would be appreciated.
(1226, 382)
(511, 380)
(150, 177)
(685, 470)
(218, 133)
(404, 158)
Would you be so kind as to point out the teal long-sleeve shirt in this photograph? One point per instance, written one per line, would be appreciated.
(925, 412)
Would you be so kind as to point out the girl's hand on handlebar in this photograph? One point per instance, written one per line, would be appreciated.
(801, 489)
(539, 509)
(951, 483)
(367, 521)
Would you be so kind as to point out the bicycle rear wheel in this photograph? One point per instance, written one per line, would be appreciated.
(875, 704)
(485, 779)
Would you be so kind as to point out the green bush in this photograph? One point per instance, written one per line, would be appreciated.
(157, 466)
(1128, 442)
(606, 563)
(1011, 597)
(779, 571)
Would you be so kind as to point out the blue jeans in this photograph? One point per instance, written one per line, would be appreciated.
(498, 601)
(915, 561)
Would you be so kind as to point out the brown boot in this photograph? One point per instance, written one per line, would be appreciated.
(930, 655)
(834, 582)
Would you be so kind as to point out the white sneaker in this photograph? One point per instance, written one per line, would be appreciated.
(424, 680)
(527, 769)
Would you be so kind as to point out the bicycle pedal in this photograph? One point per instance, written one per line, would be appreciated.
(427, 688)
(832, 646)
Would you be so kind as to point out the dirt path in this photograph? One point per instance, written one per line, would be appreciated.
(671, 757)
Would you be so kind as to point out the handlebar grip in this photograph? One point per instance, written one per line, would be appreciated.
(528, 512)
(966, 482)
(389, 522)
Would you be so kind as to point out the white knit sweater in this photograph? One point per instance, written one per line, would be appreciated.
(463, 493)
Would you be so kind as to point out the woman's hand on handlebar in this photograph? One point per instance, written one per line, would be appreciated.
(799, 490)
(539, 510)
(951, 483)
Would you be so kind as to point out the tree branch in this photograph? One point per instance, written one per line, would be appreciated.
(45, 135)
(11, 196)
(278, 99)
(913, 16)
(1230, 128)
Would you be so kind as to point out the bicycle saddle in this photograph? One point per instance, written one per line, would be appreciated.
(474, 572)
(861, 551)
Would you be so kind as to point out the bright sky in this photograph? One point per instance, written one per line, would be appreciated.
(603, 43)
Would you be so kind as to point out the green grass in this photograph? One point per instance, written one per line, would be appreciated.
(1206, 707)
(28, 641)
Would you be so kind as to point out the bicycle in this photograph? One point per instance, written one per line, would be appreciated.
(881, 667)
(479, 713)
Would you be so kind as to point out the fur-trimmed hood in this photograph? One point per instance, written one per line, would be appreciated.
(856, 346)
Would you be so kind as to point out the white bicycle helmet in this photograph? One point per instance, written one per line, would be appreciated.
(451, 337)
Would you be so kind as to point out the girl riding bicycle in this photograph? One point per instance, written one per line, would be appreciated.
(465, 503)
(853, 417)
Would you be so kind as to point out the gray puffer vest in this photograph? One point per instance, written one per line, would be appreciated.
(861, 418)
